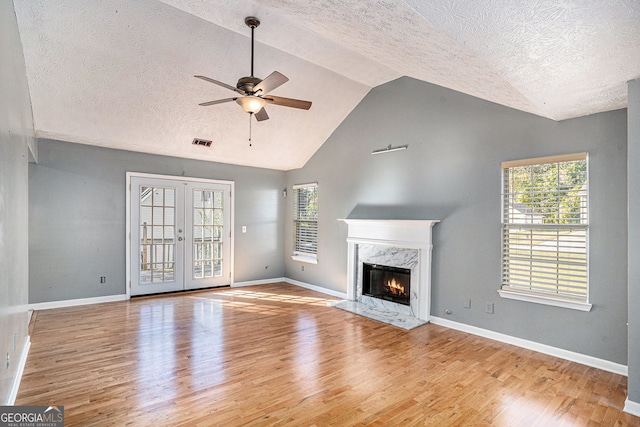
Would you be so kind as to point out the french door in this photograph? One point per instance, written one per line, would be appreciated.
(180, 234)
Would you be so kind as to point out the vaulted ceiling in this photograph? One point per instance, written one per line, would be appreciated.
(119, 73)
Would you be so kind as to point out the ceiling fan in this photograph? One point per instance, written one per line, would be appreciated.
(255, 91)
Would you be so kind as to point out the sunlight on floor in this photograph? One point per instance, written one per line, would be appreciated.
(254, 301)
(266, 296)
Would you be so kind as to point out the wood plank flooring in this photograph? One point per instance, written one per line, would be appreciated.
(278, 355)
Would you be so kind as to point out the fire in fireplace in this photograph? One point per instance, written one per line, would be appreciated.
(388, 283)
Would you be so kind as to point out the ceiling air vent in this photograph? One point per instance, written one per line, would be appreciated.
(204, 142)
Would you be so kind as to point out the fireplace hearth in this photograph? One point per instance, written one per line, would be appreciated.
(387, 283)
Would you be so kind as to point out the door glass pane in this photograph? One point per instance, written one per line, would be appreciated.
(207, 228)
(169, 216)
(217, 268)
(197, 269)
(168, 235)
(157, 234)
(146, 198)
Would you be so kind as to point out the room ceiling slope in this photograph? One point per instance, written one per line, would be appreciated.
(119, 74)
(569, 58)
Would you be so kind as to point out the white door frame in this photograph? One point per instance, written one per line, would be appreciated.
(129, 175)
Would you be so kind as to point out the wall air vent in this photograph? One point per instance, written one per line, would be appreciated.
(203, 142)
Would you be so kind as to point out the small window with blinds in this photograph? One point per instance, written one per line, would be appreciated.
(545, 230)
(305, 222)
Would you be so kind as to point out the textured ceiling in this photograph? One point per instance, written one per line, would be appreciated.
(119, 73)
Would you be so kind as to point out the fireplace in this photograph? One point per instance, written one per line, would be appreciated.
(403, 244)
(387, 283)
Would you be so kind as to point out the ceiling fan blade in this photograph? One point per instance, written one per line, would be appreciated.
(261, 115)
(272, 81)
(217, 101)
(288, 102)
(224, 85)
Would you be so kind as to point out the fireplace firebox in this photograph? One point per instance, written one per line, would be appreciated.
(387, 283)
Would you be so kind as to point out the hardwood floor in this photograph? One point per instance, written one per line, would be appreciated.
(278, 355)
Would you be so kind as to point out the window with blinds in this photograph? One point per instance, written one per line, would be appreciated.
(305, 222)
(545, 222)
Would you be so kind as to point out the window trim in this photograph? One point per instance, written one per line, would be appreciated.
(303, 256)
(564, 302)
(505, 291)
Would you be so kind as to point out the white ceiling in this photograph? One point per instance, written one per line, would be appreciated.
(119, 73)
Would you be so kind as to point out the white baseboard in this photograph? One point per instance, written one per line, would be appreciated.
(257, 282)
(320, 289)
(583, 359)
(15, 385)
(631, 407)
(74, 302)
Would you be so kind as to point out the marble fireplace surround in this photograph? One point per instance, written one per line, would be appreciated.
(396, 243)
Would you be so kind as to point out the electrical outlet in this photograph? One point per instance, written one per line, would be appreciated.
(103, 279)
(244, 228)
(489, 308)
(467, 303)
(302, 268)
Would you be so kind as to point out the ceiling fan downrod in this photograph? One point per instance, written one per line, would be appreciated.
(252, 22)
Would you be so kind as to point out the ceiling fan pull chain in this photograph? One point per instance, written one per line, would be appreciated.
(250, 114)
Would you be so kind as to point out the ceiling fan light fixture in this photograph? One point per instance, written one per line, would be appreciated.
(251, 104)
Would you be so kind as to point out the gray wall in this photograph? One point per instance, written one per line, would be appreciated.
(16, 130)
(452, 172)
(633, 150)
(77, 226)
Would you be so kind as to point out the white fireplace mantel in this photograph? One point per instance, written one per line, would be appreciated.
(408, 234)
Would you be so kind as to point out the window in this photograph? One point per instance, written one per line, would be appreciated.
(305, 222)
(545, 231)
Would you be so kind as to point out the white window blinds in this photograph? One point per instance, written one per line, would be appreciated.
(545, 226)
(305, 220)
